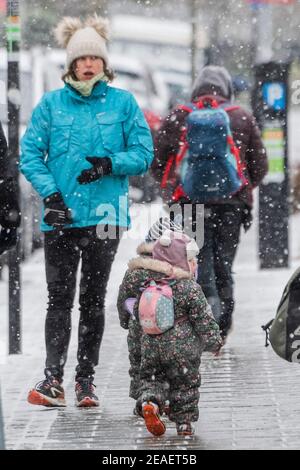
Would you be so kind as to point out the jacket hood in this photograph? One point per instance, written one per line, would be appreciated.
(159, 267)
(145, 249)
(215, 80)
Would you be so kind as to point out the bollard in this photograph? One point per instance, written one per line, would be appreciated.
(270, 107)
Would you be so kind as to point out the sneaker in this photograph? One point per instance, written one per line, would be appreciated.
(152, 419)
(48, 392)
(85, 396)
(185, 429)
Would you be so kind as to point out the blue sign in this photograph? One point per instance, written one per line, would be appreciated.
(274, 95)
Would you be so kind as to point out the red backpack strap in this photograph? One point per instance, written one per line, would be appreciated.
(231, 108)
(182, 149)
(179, 193)
(167, 170)
(183, 146)
(184, 107)
(240, 166)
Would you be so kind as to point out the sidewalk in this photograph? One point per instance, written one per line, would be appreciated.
(249, 396)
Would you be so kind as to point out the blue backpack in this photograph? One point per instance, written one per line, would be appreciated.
(207, 168)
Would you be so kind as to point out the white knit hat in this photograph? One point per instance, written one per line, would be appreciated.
(82, 39)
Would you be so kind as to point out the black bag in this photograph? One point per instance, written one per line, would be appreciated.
(283, 331)
(9, 207)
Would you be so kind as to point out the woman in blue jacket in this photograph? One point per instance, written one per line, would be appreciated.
(81, 145)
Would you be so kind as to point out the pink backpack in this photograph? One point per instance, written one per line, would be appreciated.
(156, 307)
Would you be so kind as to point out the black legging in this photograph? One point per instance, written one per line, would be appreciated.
(63, 251)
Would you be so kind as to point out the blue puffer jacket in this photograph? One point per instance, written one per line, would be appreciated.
(65, 128)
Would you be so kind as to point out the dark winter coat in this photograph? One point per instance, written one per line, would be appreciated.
(246, 135)
(189, 300)
(173, 357)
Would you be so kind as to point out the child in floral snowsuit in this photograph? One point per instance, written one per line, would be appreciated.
(130, 322)
(174, 356)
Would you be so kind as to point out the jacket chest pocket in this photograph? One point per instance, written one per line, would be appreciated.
(112, 132)
(60, 136)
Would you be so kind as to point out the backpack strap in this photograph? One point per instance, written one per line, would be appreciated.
(176, 159)
(164, 280)
(179, 194)
(188, 108)
(183, 145)
(240, 166)
(230, 108)
(266, 329)
(167, 170)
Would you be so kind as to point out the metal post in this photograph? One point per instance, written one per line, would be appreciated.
(193, 9)
(2, 441)
(270, 105)
(264, 50)
(13, 105)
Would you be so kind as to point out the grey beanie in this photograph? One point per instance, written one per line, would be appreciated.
(213, 79)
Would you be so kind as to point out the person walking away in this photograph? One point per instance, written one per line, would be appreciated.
(224, 217)
(82, 143)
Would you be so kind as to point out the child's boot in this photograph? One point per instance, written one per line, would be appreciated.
(152, 419)
(185, 429)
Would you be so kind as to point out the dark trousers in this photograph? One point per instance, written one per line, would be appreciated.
(222, 226)
(63, 251)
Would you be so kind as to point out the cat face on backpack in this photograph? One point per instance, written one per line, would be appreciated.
(156, 309)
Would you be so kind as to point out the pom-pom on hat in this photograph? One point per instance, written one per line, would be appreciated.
(83, 39)
(176, 248)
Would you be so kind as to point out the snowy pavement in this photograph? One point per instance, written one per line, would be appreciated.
(249, 396)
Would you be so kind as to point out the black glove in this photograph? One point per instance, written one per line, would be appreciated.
(101, 166)
(56, 212)
(8, 239)
(10, 216)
